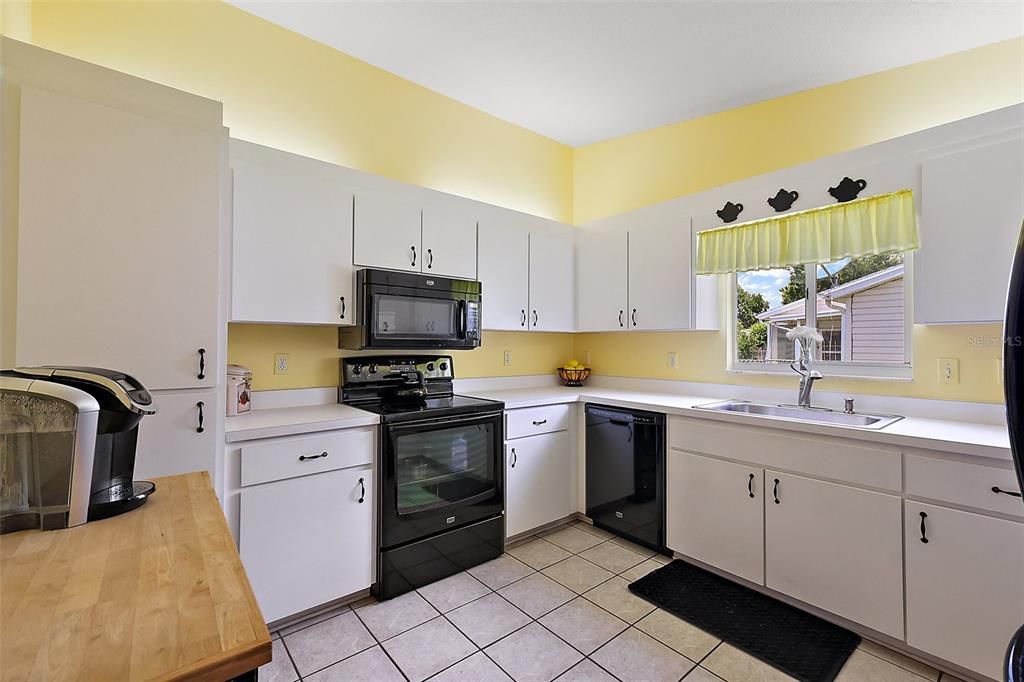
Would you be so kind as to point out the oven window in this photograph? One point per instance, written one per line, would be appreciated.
(444, 465)
(413, 317)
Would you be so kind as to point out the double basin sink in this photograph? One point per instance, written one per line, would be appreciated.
(811, 415)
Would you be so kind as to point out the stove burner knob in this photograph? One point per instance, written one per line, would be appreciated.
(430, 367)
(356, 370)
(373, 369)
(444, 366)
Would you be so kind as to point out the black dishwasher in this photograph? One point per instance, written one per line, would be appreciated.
(626, 473)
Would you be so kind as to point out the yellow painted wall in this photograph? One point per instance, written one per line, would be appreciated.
(652, 166)
(313, 358)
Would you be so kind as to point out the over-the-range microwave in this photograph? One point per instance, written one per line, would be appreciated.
(408, 311)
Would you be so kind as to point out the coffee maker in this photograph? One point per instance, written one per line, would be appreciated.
(69, 437)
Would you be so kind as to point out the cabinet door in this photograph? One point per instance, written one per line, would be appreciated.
(387, 232)
(552, 281)
(537, 481)
(309, 540)
(173, 441)
(716, 513)
(660, 270)
(292, 240)
(505, 275)
(965, 590)
(601, 281)
(118, 241)
(449, 243)
(971, 208)
(836, 547)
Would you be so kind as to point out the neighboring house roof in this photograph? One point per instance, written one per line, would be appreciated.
(795, 310)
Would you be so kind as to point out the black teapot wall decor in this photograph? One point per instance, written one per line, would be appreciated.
(848, 189)
(783, 200)
(729, 212)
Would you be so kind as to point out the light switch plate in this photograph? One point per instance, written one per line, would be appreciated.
(280, 363)
(949, 371)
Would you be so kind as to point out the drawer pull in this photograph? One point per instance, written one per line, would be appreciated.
(515, 458)
(200, 429)
(924, 530)
(750, 485)
(775, 491)
(540, 422)
(996, 489)
(362, 490)
(413, 255)
(202, 364)
(522, 312)
(342, 316)
(303, 458)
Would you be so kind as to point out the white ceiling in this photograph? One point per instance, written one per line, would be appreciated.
(580, 72)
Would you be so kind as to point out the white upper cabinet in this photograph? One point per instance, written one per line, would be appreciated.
(449, 242)
(552, 280)
(118, 240)
(292, 239)
(602, 279)
(972, 203)
(504, 253)
(659, 272)
(387, 232)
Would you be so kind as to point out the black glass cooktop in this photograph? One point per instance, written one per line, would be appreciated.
(443, 406)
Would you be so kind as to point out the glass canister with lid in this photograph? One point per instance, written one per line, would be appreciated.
(239, 385)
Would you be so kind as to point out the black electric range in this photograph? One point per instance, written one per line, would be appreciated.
(441, 471)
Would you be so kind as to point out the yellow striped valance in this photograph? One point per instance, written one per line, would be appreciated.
(878, 224)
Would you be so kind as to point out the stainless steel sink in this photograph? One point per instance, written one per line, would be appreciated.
(815, 415)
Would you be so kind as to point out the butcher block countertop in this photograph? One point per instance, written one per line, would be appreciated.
(157, 593)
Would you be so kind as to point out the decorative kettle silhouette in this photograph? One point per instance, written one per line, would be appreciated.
(783, 200)
(729, 212)
(848, 189)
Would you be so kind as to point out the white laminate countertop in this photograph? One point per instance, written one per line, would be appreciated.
(965, 438)
(286, 421)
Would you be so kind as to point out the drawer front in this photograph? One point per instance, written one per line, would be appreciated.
(963, 483)
(281, 458)
(530, 421)
(874, 466)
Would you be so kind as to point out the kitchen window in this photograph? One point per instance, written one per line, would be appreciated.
(861, 307)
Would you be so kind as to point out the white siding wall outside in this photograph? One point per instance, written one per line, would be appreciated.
(878, 323)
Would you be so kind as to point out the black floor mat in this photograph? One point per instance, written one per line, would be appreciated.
(797, 643)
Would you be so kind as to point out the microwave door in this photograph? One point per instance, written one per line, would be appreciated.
(401, 317)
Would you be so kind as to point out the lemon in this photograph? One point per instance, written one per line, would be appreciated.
(573, 363)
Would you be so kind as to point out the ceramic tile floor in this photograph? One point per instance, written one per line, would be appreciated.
(553, 607)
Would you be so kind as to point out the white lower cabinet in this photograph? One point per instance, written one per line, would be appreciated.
(308, 540)
(538, 481)
(965, 589)
(837, 548)
(182, 435)
(715, 513)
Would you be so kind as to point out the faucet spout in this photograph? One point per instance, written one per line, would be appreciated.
(807, 378)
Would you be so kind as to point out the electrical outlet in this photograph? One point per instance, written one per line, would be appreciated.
(280, 363)
(949, 371)
(673, 360)
(508, 358)
(586, 358)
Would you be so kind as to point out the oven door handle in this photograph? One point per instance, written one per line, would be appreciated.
(451, 506)
(442, 422)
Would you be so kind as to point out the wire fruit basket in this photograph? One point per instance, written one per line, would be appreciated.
(575, 376)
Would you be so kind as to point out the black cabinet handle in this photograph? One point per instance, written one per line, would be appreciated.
(362, 490)
(538, 423)
(413, 255)
(522, 312)
(1000, 491)
(750, 485)
(515, 458)
(775, 491)
(303, 458)
(633, 317)
(430, 259)
(620, 317)
(200, 429)
(924, 531)
(202, 364)
(535, 318)
(343, 307)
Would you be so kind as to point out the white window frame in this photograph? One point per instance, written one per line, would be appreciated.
(859, 370)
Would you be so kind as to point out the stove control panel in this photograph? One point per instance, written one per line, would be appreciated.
(385, 369)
